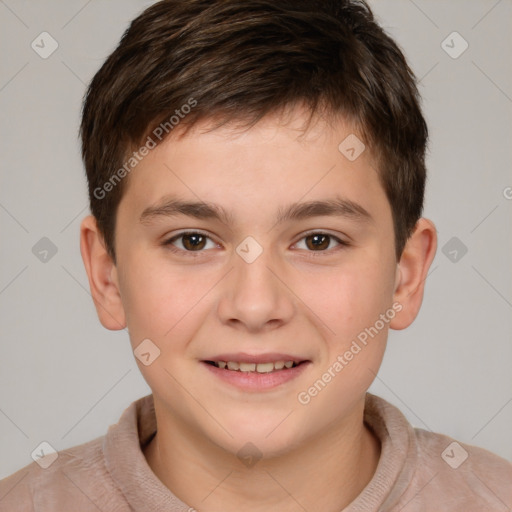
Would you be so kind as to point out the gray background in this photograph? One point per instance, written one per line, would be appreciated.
(64, 378)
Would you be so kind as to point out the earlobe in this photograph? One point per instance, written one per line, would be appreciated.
(412, 271)
(102, 275)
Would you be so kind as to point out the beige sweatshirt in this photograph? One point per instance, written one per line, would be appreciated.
(417, 471)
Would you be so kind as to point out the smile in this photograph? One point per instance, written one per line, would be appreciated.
(253, 373)
(254, 367)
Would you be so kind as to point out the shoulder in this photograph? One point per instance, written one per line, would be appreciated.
(422, 471)
(74, 479)
(462, 475)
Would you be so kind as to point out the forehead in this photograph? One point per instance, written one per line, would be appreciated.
(277, 161)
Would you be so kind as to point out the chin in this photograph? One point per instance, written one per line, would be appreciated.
(268, 435)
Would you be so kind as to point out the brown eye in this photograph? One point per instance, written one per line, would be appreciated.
(317, 241)
(321, 243)
(194, 242)
(189, 242)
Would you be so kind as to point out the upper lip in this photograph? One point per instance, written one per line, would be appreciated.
(242, 357)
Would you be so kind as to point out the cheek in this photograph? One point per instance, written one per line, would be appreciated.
(352, 309)
(350, 298)
(158, 297)
(359, 310)
(164, 304)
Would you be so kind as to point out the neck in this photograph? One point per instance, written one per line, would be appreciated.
(325, 474)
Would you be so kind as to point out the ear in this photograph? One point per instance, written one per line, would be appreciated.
(102, 274)
(417, 256)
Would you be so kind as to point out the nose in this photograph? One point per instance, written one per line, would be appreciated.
(255, 297)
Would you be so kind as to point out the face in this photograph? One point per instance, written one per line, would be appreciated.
(286, 256)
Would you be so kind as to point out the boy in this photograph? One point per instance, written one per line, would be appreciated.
(256, 176)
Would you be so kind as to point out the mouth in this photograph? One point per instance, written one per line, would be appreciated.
(267, 367)
(256, 373)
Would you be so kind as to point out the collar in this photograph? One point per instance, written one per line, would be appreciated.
(124, 458)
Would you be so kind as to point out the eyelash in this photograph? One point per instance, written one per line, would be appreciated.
(169, 243)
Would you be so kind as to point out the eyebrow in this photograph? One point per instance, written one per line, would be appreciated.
(338, 207)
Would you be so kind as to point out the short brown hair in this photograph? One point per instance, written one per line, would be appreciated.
(240, 60)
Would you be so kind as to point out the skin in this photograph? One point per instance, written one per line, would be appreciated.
(294, 298)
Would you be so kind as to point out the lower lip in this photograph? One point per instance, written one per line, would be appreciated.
(254, 381)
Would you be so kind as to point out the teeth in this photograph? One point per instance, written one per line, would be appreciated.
(264, 367)
(254, 367)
